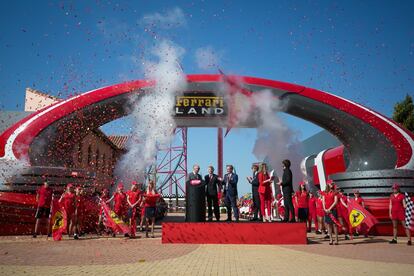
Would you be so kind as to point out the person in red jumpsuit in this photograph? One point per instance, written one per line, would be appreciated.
(134, 200)
(68, 203)
(265, 193)
(312, 213)
(397, 212)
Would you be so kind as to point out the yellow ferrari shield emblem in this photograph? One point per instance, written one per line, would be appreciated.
(115, 218)
(58, 220)
(356, 217)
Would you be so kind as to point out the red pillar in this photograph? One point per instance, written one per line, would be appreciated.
(220, 151)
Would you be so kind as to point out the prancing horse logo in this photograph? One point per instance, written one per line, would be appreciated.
(356, 217)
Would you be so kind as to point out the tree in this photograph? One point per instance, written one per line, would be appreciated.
(404, 113)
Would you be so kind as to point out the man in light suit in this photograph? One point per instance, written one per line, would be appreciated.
(213, 186)
(195, 210)
(230, 193)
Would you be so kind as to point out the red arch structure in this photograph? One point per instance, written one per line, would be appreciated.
(376, 151)
(372, 142)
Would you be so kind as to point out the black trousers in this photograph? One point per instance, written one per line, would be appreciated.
(287, 198)
(212, 201)
(256, 202)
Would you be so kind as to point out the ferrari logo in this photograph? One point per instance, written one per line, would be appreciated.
(115, 218)
(356, 217)
(58, 220)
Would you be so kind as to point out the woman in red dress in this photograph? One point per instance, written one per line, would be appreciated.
(312, 213)
(320, 213)
(150, 200)
(68, 202)
(329, 202)
(397, 212)
(358, 199)
(120, 204)
(302, 203)
(342, 209)
(134, 200)
(265, 193)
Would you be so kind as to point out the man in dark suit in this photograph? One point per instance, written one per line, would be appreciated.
(230, 192)
(287, 189)
(213, 185)
(195, 210)
(255, 192)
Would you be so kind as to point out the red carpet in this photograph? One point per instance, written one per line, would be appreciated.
(234, 233)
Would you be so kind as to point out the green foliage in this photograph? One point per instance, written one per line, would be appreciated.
(404, 113)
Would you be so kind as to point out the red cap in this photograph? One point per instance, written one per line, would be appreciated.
(134, 183)
(395, 186)
(302, 183)
(120, 185)
(329, 181)
(70, 185)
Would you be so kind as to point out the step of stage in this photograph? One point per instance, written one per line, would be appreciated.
(234, 233)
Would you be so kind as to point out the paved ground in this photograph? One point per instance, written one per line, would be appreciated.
(92, 255)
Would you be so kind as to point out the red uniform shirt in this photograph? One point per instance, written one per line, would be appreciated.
(302, 199)
(120, 203)
(45, 197)
(151, 199)
(134, 196)
(397, 204)
(359, 200)
(68, 201)
(312, 205)
(319, 208)
(329, 199)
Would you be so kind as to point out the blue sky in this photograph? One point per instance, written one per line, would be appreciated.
(363, 51)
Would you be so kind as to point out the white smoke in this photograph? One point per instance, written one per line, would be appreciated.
(207, 58)
(152, 113)
(275, 141)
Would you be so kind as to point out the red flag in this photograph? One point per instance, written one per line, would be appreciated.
(333, 218)
(358, 215)
(111, 220)
(59, 225)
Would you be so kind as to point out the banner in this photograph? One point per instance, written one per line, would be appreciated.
(358, 215)
(112, 221)
(59, 225)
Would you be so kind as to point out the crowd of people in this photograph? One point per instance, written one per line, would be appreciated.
(327, 210)
(130, 206)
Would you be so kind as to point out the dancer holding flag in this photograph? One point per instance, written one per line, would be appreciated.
(120, 204)
(68, 203)
(397, 212)
(329, 202)
(359, 217)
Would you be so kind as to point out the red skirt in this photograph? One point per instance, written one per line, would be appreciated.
(398, 215)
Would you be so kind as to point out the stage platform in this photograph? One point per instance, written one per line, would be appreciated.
(234, 233)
